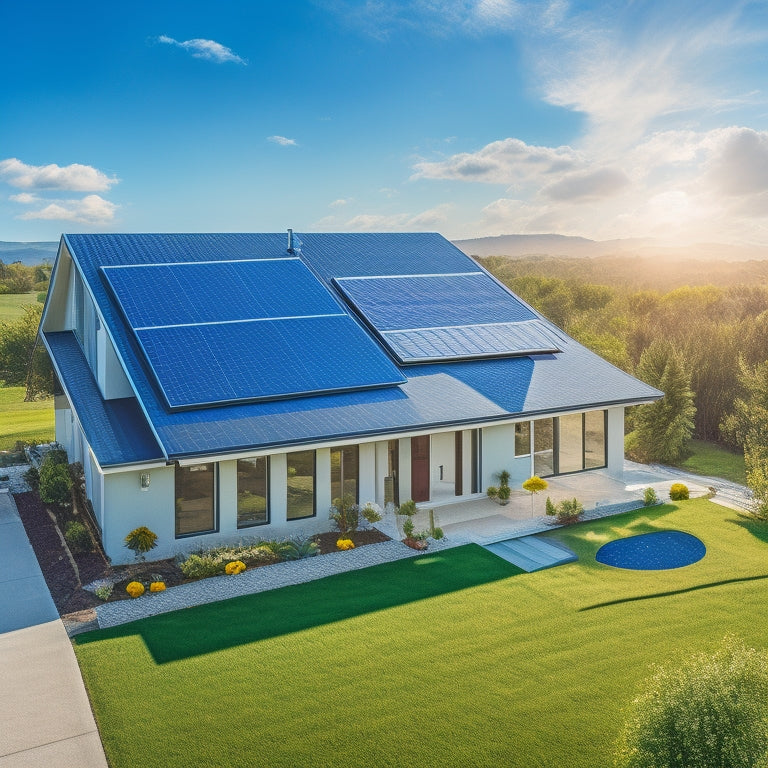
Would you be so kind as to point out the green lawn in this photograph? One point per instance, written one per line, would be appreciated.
(32, 422)
(451, 659)
(12, 304)
(713, 460)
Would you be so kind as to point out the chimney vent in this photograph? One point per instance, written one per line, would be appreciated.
(290, 241)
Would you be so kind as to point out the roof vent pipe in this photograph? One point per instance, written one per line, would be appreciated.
(290, 241)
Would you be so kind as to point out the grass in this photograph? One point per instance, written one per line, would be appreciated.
(31, 422)
(450, 659)
(12, 304)
(713, 460)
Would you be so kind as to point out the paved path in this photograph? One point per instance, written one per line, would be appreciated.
(44, 710)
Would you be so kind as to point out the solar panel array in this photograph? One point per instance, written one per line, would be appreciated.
(461, 316)
(224, 332)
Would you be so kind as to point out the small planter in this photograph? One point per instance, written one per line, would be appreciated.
(418, 544)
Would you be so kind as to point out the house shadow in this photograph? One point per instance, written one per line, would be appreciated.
(218, 626)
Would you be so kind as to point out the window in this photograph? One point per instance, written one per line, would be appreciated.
(252, 492)
(571, 443)
(344, 472)
(523, 438)
(195, 499)
(594, 439)
(301, 485)
(543, 447)
(391, 483)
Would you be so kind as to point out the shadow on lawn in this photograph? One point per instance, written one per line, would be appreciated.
(758, 528)
(216, 626)
(672, 592)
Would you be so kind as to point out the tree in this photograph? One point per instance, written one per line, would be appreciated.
(747, 425)
(21, 360)
(706, 711)
(663, 428)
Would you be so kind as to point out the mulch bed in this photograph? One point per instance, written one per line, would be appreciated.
(70, 598)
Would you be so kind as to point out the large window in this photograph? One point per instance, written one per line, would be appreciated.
(195, 499)
(344, 472)
(523, 438)
(543, 447)
(301, 485)
(252, 492)
(594, 439)
(571, 443)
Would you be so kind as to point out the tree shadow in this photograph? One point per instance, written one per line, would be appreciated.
(673, 592)
(237, 621)
(758, 528)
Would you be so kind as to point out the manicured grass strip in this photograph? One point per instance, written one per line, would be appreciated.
(713, 460)
(454, 659)
(24, 421)
(12, 304)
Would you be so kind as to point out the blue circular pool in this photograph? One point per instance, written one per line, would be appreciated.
(652, 551)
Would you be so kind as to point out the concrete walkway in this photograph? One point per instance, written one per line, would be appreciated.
(46, 716)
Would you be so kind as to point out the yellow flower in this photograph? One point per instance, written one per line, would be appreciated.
(135, 589)
(345, 544)
(235, 567)
(157, 586)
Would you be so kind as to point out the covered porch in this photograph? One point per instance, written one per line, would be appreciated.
(483, 520)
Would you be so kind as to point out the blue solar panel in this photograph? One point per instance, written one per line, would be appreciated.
(430, 301)
(192, 292)
(467, 342)
(198, 365)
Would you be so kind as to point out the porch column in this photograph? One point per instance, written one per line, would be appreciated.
(615, 442)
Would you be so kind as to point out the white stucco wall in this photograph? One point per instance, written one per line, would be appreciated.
(498, 452)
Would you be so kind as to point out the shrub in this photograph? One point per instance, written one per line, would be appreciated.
(345, 544)
(235, 567)
(492, 491)
(345, 514)
(503, 477)
(709, 710)
(549, 507)
(32, 478)
(56, 456)
(157, 586)
(678, 492)
(135, 589)
(408, 528)
(202, 566)
(78, 537)
(55, 482)
(298, 549)
(535, 484)
(140, 540)
(504, 493)
(407, 508)
(649, 497)
(371, 512)
(437, 533)
(104, 591)
(567, 511)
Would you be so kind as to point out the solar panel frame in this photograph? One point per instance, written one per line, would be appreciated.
(470, 342)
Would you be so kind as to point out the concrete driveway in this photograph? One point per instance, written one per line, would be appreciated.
(45, 712)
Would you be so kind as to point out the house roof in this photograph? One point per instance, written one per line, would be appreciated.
(479, 372)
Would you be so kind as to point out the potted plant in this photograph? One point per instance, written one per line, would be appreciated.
(504, 494)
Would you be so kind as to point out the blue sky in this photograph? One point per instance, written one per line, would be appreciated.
(468, 117)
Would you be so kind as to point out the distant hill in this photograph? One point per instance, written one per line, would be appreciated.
(28, 253)
(517, 246)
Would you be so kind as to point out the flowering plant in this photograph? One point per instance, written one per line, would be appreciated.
(157, 586)
(135, 589)
(235, 567)
(345, 544)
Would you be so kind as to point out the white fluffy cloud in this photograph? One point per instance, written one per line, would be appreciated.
(75, 177)
(282, 141)
(425, 221)
(201, 48)
(91, 209)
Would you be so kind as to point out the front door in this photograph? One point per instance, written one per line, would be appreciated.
(420, 468)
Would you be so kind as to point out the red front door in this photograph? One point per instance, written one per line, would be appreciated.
(420, 468)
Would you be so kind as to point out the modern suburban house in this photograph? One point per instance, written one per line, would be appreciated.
(221, 385)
